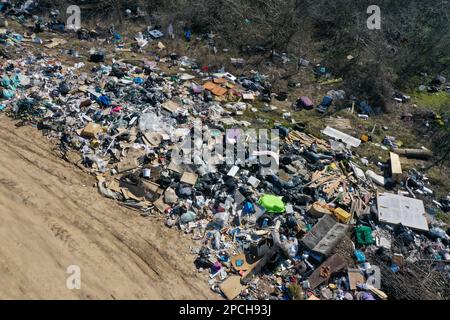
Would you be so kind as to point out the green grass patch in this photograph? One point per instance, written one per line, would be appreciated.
(444, 217)
(438, 176)
(437, 102)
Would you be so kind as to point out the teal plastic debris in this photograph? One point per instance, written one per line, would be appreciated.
(2, 107)
(360, 257)
(8, 94)
(6, 82)
(15, 80)
(16, 37)
(11, 83)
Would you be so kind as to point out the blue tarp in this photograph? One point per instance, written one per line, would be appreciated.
(365, 108)
(326, 101)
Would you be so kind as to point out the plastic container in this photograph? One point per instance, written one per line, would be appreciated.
(221, 219)
(146, 173)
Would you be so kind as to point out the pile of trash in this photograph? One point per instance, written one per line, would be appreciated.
(269, 220)
(438, 84)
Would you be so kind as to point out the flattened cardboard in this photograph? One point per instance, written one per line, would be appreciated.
(113, 185)
(171, 106)
(128, 195)
(214, 88)
(246, 265)
(153, 138)
(355, 277)
(232, 287)
(219, 91)
(396, 167)
(127, 164)
(189, 178)
(175, 167)
(160, 205)
(153, 187)
(219, 80)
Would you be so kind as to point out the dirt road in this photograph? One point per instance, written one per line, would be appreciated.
(51, 217)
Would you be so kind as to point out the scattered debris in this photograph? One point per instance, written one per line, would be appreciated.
(153, 141)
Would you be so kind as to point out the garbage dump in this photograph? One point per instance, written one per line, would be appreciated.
(305, 223)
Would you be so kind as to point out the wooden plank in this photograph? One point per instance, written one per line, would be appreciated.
(209, 86)
(219, 91)
(334, 264)
(396, 167)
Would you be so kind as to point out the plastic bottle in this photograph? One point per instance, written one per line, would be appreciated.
(228, 202)
(293, 247)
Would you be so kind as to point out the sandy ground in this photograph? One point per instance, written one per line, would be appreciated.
(51, 217)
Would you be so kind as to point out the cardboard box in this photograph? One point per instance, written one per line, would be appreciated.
(91, 130)
(189, 178)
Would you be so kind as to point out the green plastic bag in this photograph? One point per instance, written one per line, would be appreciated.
(272, 204)
(364, 235)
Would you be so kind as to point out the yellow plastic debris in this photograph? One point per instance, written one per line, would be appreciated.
(342, 215)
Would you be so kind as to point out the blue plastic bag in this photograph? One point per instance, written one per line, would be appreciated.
(138, 80)
(248, 208)
(188, 35)
(8, 94)
(360, 257)
(104, 101)
(395, 268)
